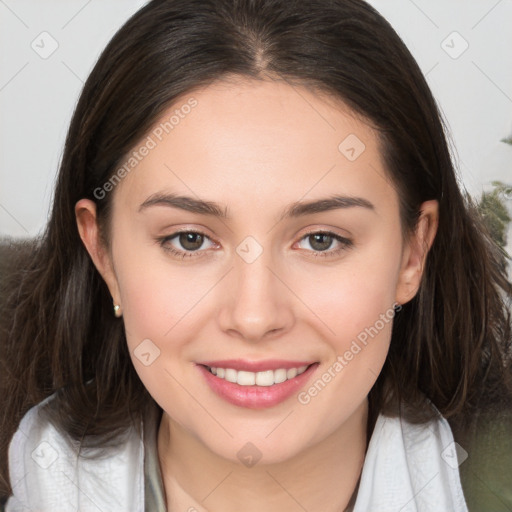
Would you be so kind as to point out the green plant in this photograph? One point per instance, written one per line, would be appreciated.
(494, 211)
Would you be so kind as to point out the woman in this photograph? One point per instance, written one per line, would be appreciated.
(260, 287)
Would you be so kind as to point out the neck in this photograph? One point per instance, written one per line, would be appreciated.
(321, 478)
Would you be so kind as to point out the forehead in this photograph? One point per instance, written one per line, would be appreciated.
(259, 137)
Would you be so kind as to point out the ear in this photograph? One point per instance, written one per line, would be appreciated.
(85, 213)
(415, 252)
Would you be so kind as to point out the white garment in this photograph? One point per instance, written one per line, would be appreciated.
(47, 476)
(404, 471)
(410, 468)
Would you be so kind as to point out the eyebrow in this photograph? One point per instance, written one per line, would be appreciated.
(293, 210)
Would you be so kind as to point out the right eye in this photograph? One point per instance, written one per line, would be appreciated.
(184, 244)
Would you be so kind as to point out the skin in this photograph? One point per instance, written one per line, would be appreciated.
(255, 147)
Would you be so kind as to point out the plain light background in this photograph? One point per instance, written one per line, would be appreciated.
(48, 48)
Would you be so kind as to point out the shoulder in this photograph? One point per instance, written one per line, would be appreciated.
(49, 472)
(411, 467)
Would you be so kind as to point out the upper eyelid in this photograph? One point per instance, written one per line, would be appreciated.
(337, 237)
(324, 232)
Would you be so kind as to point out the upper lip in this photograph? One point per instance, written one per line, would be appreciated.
(256, 366)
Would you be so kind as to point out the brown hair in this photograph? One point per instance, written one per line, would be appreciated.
(449, 344)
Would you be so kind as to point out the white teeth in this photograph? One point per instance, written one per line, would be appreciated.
(245, 378)
(230, 375)
(292, 372)
(265, 378)
(279, 376)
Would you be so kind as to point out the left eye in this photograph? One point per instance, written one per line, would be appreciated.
(321, 241)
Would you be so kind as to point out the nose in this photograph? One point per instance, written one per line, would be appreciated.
(257, 303)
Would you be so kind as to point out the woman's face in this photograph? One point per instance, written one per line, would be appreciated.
(291, 250)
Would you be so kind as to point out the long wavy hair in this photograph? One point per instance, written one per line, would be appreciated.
(450, 344)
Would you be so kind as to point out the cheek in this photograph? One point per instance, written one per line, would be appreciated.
(158, 296)
(352, 296)
(358, 331)
(354, 302)
(164, 307)
(151, 302)
(158, 313)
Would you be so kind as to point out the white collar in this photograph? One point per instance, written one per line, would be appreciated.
(410, 468)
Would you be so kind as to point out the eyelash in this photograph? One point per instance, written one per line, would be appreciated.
(346, 243)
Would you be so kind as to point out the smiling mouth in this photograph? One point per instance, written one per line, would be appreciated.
(261, 378)
(273, 382)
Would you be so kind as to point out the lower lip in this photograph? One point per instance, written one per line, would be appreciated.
(256, 397)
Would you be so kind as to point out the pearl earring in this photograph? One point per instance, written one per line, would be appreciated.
(117, 310)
